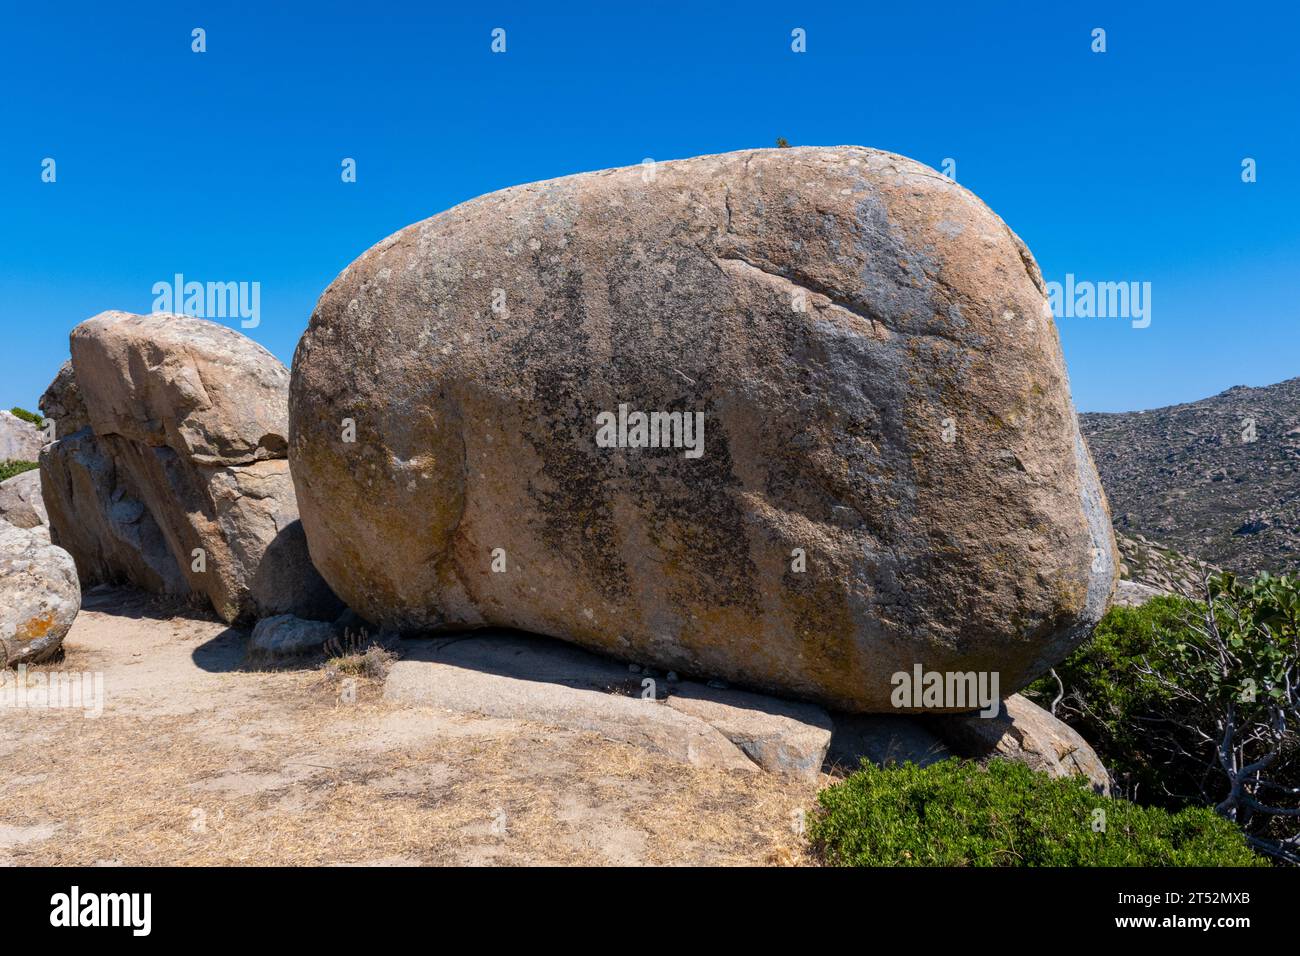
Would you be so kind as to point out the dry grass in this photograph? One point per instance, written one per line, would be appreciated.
(274, 769)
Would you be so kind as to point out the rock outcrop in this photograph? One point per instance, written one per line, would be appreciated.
(1212, 480)
(524, 677)
(874, 460)
(19, 440)
(62, 403)
(177, 480)
(39, 596)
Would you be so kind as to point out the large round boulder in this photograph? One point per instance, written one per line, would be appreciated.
(864, 457)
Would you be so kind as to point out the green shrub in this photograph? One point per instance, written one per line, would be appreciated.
(10, 468)
(27, 416)
(1110, 700)
(1160, 688)
(958, 813)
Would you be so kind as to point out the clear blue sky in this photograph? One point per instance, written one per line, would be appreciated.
(225, 165)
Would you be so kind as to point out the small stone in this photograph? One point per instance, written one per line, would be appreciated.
(286, 636)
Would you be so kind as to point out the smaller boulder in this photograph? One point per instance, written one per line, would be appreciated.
(1024, 732)
(1134, 594)
(285, 636)
(21, 503)
(40, 596)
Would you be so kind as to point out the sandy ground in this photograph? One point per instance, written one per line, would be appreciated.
(198, 760)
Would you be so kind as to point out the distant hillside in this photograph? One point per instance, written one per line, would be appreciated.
(1217, 479)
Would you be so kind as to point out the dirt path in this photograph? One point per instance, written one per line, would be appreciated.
(195, 760)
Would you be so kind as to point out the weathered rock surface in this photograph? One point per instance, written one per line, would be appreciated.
(39, 596)
(882, 393)
(21, 504)
(179, 483)
(787, 737)
(285, 636)
(62, 402)
(1135, 594)
(19, 440)
(528, 678)
(1025, 732)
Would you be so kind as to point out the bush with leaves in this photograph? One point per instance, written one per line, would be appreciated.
(10, 468)
(1198, 703)
(959, 813)
(27, 416)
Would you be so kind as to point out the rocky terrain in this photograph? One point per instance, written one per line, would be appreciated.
(1158, 566)
(709, 637)
(1217, 479)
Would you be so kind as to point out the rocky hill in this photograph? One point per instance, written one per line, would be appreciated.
(1217, 479)
(1158, 566)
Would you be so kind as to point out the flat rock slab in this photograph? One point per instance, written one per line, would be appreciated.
(781, 736)
(537, 679)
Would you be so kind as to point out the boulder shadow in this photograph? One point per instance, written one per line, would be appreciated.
(226, 653)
